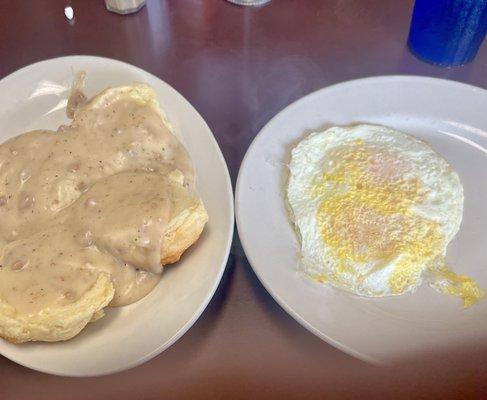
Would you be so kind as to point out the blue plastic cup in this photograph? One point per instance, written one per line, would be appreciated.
(447, 32)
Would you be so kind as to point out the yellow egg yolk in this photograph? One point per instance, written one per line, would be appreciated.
(367, 217)
(462, 286)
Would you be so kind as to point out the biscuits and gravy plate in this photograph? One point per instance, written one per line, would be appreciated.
(374, 225)
(108, 177)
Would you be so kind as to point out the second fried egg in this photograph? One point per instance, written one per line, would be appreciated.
(375, 210)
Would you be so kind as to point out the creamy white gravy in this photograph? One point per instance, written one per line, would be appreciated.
(93, 196)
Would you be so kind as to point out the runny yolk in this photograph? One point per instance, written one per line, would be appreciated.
(367, 217)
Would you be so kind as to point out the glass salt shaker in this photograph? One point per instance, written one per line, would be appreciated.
(124, 6)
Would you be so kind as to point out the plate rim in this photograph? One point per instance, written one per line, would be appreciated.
(227, 245)
(238, 190)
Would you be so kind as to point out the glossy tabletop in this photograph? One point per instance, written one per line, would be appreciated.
(239, 67)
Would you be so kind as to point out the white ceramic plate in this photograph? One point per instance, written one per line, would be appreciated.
(452, 118)
(34, 97)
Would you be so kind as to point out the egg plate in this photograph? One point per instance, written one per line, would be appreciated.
(382, 329)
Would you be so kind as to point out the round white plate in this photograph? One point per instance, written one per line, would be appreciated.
(34, 97)
(452, 117)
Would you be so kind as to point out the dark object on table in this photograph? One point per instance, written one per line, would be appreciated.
(447, 32)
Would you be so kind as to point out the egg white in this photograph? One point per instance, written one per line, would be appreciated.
(442, 202)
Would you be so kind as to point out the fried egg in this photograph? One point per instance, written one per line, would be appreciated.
(375, 209)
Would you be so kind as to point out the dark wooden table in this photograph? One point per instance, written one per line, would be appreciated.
(239, 67)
